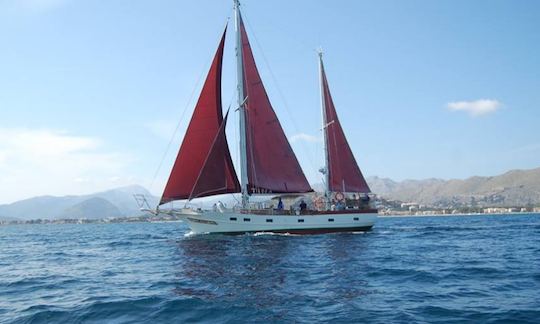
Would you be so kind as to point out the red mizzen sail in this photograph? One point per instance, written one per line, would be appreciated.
(272, 164)
(343, 171)
(203, 166)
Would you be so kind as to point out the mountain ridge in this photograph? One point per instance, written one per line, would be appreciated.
(92, 208)
(53, 207)
(512, 188)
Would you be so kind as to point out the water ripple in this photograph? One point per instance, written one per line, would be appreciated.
(429, 269)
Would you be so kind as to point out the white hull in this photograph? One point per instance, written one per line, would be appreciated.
(236, 222)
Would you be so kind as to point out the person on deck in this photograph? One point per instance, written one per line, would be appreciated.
(303, 205)
(365, 200)
(280, 204)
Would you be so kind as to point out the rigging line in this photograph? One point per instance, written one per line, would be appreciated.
(299, 42)
(303, 146)
(173, 136)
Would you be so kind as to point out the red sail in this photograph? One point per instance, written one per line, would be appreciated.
(217, 175)
(272, 164)
(186, 177)
(343, 171)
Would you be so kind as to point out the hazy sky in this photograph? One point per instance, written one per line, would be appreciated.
(91, 91)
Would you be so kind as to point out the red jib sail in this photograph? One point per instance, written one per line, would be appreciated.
(217, 175)
(271, 163)
(204, 147)
(343, 171)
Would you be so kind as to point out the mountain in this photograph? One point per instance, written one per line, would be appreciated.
(92, 208)
(50, 207)
(513, 188)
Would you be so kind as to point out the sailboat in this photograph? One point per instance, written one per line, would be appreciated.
(268, 165)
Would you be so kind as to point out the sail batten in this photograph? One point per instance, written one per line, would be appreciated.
(272, 166)
(343, 173)
(203, 165)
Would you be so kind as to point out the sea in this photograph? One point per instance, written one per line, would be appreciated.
(452, 269)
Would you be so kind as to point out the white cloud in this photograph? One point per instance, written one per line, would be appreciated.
(51, 162)
(476, 107)
(304, 137)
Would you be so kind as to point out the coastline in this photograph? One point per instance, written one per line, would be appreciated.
(461, 214)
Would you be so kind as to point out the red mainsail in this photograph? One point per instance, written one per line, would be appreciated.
(203, 166)
(343, 171)
(271, 163)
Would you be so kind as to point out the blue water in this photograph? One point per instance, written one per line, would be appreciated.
(425, 269)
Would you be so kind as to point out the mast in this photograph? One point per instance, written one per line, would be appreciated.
(342, 171)
(325, 169)
(241, 105)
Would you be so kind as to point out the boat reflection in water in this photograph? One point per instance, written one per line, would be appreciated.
(273, 272)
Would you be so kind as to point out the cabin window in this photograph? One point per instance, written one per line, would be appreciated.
(330, 219)
(356, 218)
(300, 221)
(232, 218)
(269, 220)
(247, 219)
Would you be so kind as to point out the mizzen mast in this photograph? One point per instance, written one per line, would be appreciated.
(324, 170)
(341, 170)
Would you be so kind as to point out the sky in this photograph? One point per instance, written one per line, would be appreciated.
(91, 92)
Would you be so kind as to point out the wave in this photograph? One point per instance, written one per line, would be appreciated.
(432, 313)
(271, 234)
(139, 310)
(405, 270)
